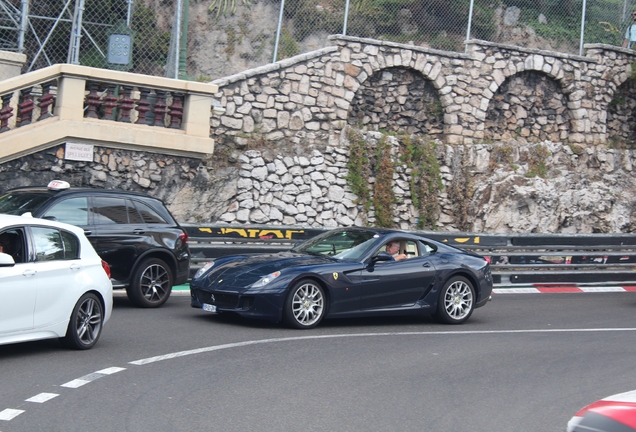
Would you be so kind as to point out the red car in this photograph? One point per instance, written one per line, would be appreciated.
(615, 413)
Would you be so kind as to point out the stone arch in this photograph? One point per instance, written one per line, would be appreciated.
(529, 104)
(621, 114)
(398, 99)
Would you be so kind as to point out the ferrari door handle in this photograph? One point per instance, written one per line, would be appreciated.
(75, 267)
(138, 231)
(28, 273)
(88, 232)
(426, 264)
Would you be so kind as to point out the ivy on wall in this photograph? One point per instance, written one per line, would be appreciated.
(417, 155)
(383, 195)
(426, 181)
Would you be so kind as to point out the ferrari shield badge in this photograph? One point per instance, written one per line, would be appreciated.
(335, 276)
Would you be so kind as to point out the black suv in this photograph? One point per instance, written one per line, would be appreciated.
(134, 233)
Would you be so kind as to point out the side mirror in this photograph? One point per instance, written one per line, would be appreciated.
(381, 256)
(6, 260)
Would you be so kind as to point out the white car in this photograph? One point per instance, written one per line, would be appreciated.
(52, 283)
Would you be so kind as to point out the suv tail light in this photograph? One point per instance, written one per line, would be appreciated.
(106, 268)
(184, 237)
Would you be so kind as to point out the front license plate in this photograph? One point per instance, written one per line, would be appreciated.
(209, 307)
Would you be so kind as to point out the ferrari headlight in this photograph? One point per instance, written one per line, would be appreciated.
(203, 269)
(265, 280)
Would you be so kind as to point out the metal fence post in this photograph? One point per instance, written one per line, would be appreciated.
(470, 22)
(582, 28)
(346, 16)
(280, 20)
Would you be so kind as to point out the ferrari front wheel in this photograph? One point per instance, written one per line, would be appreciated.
(456, 301)
(305, 305)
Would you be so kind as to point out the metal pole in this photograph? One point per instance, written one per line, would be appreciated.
(183, 55)
(470, 22)
(346, 17)
(129, 13)
(582, 28)
(177, 41)
(24, 20)
(280, 20)
(76, 33)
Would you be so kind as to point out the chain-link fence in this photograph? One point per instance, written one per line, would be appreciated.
(112, 34)
(209, 39)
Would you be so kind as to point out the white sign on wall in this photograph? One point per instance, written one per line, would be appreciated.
(79, 152)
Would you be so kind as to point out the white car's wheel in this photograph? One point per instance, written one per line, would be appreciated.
(85, 325)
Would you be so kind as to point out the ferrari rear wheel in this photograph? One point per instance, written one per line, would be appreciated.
(456, 301)
(305, 305)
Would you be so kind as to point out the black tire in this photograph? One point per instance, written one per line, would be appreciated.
(456, 301)
(86, 323)
(151, 284)
(305, 305)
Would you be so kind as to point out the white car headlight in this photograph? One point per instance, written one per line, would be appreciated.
(203, 269)
(265, 280)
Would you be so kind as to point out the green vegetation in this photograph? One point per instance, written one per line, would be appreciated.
(383, 196)
(426, 181)
(415, 154)
(225, 6)
(537, 162)
(359, 169)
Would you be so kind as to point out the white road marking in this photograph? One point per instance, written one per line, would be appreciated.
(110, 370)
(76, 383)
(439, 333)
(42, 397)
(514, 290)
(10, 414)
(602, 289)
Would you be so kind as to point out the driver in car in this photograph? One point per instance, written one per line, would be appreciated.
(393, 249)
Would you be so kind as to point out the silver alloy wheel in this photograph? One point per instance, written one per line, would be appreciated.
(307, 304)
(155, 283)
(458, 300)
(88, 325)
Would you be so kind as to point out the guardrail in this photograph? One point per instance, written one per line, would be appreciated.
(516, 259)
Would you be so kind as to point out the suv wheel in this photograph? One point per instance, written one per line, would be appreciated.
(151, 284)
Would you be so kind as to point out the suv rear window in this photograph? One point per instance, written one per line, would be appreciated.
(148, 214)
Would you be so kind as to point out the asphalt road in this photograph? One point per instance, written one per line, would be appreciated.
(524, 362)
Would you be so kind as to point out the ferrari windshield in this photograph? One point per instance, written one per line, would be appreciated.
(346, 244)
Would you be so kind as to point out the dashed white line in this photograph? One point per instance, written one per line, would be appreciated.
(42, 397)
(76, 383)
(10, 414)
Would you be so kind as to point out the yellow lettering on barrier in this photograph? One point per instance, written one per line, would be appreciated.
(270, 234)
(238, 231)
(290, 233)
(207, 230)
(461, 240)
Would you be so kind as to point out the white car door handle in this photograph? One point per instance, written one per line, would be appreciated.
(75, 267)
(28, 273)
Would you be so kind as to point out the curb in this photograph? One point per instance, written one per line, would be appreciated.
(525, 289)
(561, 288)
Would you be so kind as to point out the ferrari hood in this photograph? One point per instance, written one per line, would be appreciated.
(239, 272)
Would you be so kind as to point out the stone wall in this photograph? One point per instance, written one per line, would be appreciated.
(311, 97)
(512, 187)
(529, 105)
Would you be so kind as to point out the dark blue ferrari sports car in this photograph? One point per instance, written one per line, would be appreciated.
(347, 273)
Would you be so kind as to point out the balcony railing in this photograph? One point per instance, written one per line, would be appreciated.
(111, 107)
